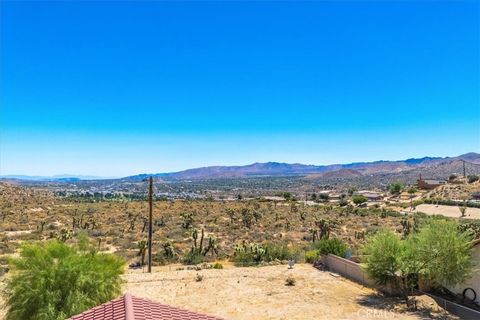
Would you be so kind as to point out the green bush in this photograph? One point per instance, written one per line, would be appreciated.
(193, 257)
(334, 246)
(217, 265)
(359, 199)
(53, 280)
(253, 254)
(472, 178)
(311, 256)
(277, 251)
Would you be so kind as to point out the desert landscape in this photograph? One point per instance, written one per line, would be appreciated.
(243, 160)
(261, 293)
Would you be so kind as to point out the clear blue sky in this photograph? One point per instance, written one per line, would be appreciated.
(118, 88)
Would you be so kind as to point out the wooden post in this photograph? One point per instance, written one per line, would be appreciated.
(150, 227)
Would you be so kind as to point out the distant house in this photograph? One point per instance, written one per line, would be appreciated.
(129, 307)
(429, 184)
(474, 281)
(370, 195)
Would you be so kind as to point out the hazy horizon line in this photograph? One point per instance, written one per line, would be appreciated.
(99, 177)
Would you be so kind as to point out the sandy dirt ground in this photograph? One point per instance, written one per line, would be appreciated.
(448, 211)
(261, 293)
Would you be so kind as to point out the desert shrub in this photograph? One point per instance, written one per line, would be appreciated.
(277, 251)
(343, 202)
(4, 260)
(159, 259)
(334, 246)
(440, 252)
(198, 277)
(290, 281)
(359, 199)
(396, 187)
(311, 256)
(253, 254)
(217, 265)
(53, 280)
(472, 178)
(193, 257)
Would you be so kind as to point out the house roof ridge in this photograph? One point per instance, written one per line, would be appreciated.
(129, 313)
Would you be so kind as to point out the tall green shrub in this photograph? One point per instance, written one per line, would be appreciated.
(53, 280)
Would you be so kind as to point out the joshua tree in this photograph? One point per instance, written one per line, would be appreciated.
(212, 246)
(197, 246)
(42, 224)
(314, 233)
(324, 227)
(231, 214)
(463, 210)
(411, 192)
(247, 217)
(359, 235)
(187, 219)
(406, 227)
(142, 250)
(169, 249)
(257, 215)
(65, 235)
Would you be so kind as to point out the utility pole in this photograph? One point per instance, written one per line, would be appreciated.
(150, 228)
(464, 172)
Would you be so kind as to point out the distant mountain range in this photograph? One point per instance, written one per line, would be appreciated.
(295, 169)
(434, 166)
(61, 177)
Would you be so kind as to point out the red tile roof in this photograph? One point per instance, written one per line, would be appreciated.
(129, 307)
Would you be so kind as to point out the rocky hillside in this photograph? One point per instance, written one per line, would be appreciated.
(434, 166)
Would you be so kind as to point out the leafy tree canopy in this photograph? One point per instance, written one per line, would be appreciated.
(439, 252)
(53, 280)
(359, 199)
(396, 188)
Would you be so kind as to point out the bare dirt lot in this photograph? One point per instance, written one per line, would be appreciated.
(448, 211)
(261, 293)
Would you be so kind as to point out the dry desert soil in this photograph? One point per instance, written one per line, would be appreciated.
(448, 211)
(261, 293)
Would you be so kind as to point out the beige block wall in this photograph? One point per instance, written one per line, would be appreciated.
(474, 281)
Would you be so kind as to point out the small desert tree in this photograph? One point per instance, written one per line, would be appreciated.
(445, 253)
(359, 199)
(439, 252)
(384, 252)
(395, 188)
(411, 192)
(54, 281)
(463, 210)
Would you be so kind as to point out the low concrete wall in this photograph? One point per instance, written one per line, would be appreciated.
(353, 271)
(461, 311)
(347, 269)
